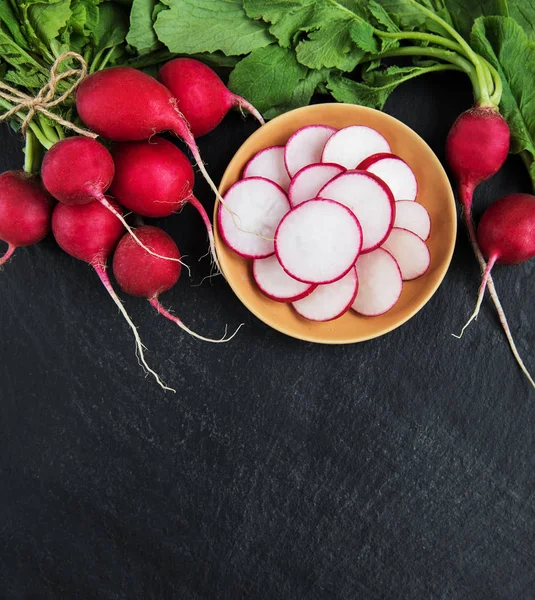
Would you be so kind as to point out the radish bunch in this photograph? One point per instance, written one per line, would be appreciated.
(330, 221)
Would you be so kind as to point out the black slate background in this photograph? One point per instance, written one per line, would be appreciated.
(401, 468)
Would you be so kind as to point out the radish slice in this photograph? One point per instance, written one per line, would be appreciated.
(328, 302)
(410, 252)
(309, 180)
(258, 206)
(305, 147)
(395, 172)
(318, 241)
(275, 283)
(269, 164)
(380, 283)
(370, 200)
(413, 216)
(351, 145)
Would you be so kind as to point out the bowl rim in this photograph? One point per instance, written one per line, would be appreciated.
(426, 295)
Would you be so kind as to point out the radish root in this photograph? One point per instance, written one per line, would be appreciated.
(9, 253)
(207, 223)
(242, 104)
(103, 276)
(154, 302)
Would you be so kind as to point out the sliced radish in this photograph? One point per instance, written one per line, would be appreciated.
(275, 283)
(413, 216)
(258, 206)
(328, 302)
(395, 172)
(351, 145)
(305, 147)
(370, 200)
(318, 241)
(410, 252)
(380, 283)
(269, 164)
(309, 180)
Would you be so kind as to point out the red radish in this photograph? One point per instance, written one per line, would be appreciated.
(269, 163)
(305, 147)
(256, 207)
(395, 172)
(155, 179)
(328, 302)
(148, 276)
(506, 236)
(25, 211)
(351, 145)
(201, 96)
(318, 241)
(410, 252)
(79, 170)
(371, 201)
(476, 149)
(380, 283)
(123, 104)
(307, 183)
(90, 232)
(414, 217)
(275, 283)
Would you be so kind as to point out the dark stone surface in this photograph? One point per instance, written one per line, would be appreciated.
(401, 468)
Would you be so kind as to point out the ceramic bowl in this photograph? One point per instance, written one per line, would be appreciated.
(434, 192)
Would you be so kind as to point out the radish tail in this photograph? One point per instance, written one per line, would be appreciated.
(102, 199)
(480, 295)
(8, 254)
(466, 201)
(208, 224)
(242, 104)
(154, 302)
(101, 272)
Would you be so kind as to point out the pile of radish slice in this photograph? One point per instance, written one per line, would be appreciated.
(330, 222)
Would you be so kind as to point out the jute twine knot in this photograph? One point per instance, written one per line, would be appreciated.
(45, 99)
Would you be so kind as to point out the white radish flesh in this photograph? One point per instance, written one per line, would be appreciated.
(269, 164)
(380, 283)
(413, 216)
(410, 252)
(395, 172)
(305, 147)
(370, 200)
(328, 302)
(275, 283)
(318, 241)
(257, 207)
(351, 145)
(307, 183)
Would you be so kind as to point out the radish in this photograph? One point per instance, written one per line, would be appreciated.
(79, 170)
(328, 302)
(275, 283)
(410, 252)
(202, 98)
(123, 104)
(256, 206)
(380, 283)
(371, 201)
(155, 179)
(307, 182)
(318, 241)
(395, 172)
(269, 163)
(305, 147)
(414, 217)
(25, 211)
(90, 232)
(350, 146)
(148, 276)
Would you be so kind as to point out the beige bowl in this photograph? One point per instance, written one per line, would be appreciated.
(434, 192)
